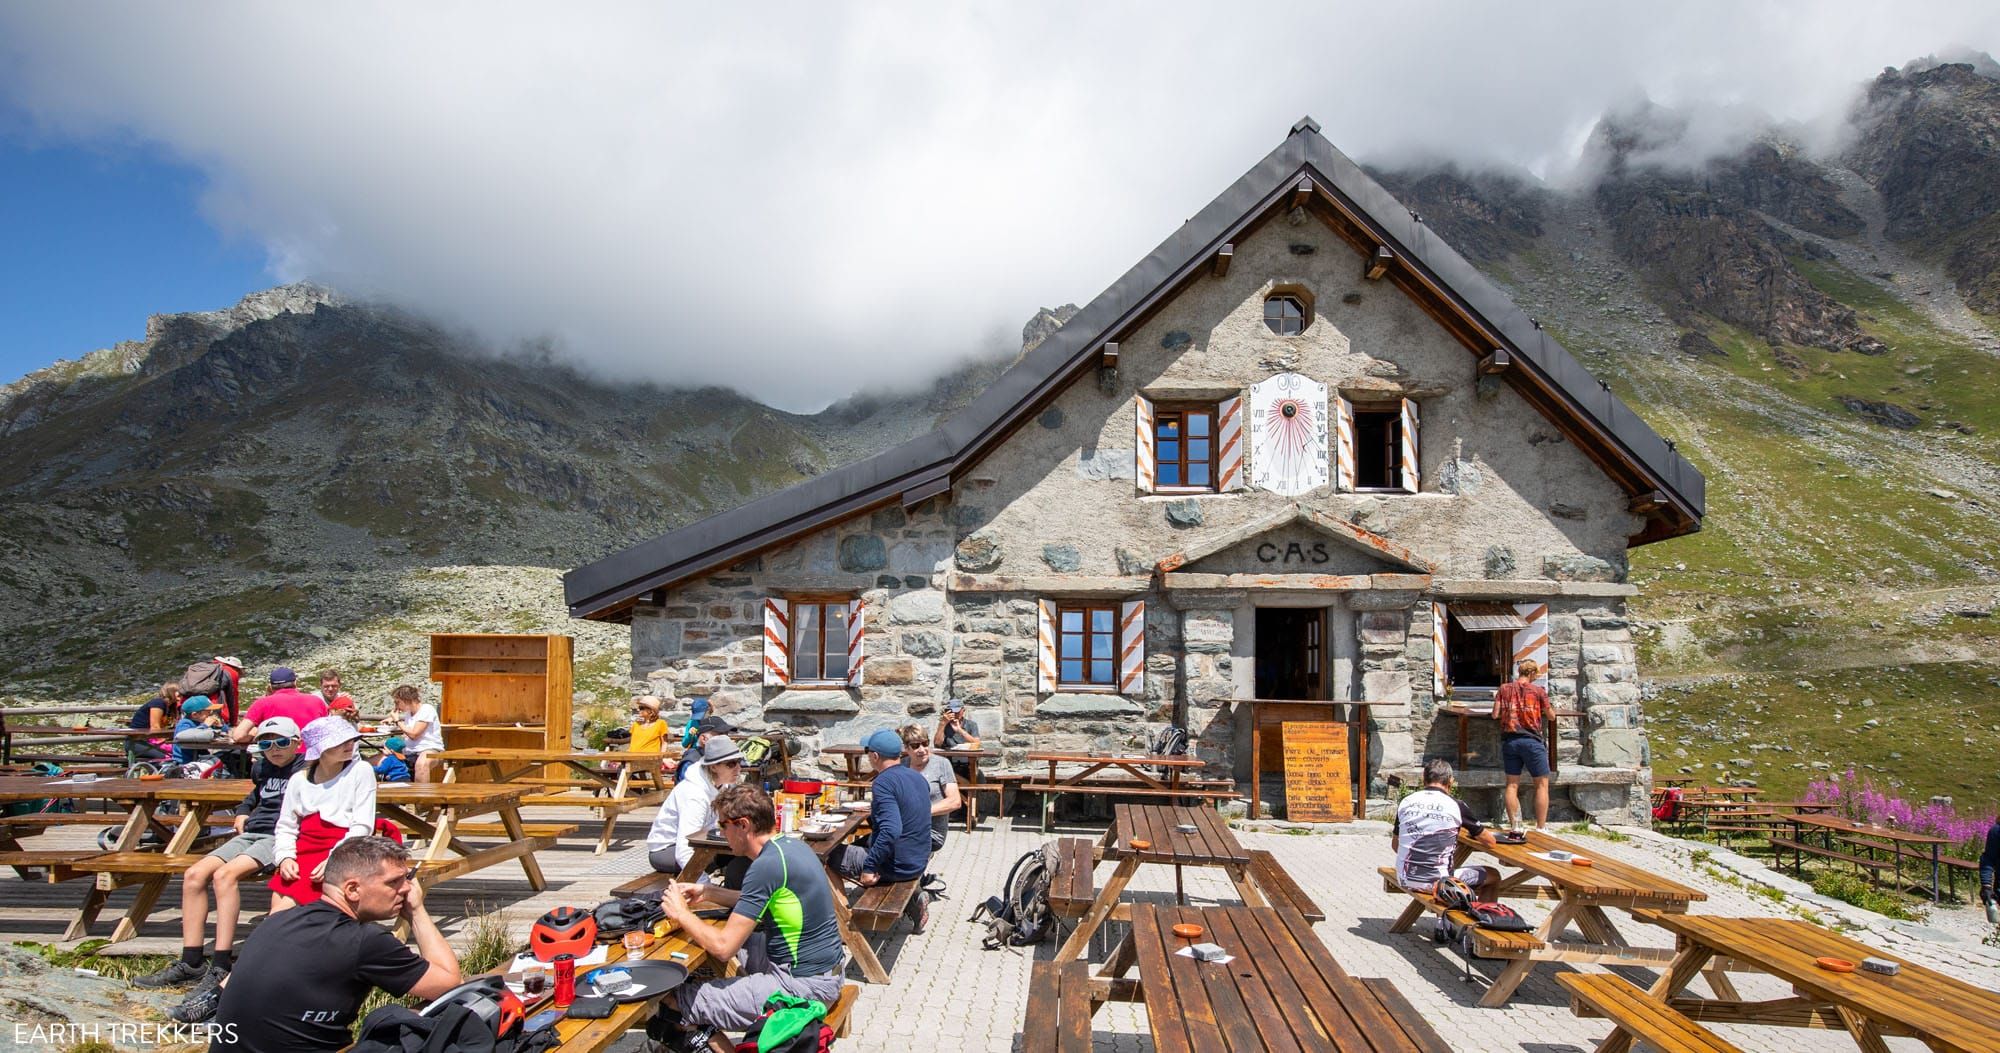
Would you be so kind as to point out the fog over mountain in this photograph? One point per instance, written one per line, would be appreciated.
(802, 201)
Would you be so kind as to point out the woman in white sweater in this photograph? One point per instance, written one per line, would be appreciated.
(331, 800)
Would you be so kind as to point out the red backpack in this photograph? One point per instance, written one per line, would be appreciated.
(1669, 808)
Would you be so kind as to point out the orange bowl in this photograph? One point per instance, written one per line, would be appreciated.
(151, 777)
(1139, 844)
(1582, 861)
(1834, 965)
(1188, 932)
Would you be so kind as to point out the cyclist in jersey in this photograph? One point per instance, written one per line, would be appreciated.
(781, 922)
(1426, 836)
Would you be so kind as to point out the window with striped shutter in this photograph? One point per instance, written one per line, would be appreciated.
(1440, 664)
(1533, 641)
(1229, 433)
(1343, 442)
(1045, 666)
(855, 646)
(777, 642)
(1411, 474)
(1132, 647)
(1143, 438)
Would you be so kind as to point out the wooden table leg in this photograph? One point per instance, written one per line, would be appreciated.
(1361, 762)
(1504, 985)
(136, 825)
(1866, 1034)
(1693, 957)
(193, 822)
(1107, 898)
(611, 815)
(1256, 762)
(510, 817)
(1245, 888)
(857, 946)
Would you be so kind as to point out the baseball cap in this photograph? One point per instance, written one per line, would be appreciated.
(283, 727)
(719, 750)
(341, 702)
(394, 744)
(284, 675)
(884, 743)
(956, 705)
(326, 733)
(714, 725)
(195, 704)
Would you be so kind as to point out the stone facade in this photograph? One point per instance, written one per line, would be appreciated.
(1507, 511)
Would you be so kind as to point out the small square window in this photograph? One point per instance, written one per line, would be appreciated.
(1087, 645)
(1184, 448)
(819, 640)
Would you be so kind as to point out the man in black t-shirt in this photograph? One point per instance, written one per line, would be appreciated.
(305, 971)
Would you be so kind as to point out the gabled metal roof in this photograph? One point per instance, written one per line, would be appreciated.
(1305, 170)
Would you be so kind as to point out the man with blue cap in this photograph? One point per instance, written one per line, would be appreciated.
(900, 814)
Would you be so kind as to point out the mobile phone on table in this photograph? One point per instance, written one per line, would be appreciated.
(543, 1019)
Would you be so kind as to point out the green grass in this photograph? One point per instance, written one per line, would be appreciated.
(1850, 888)
(84, 955)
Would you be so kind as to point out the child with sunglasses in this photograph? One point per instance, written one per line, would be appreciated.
(243, 857)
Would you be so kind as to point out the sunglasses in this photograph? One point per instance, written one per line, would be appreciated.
(273, 744)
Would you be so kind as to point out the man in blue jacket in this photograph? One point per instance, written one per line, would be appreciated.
(900, 815)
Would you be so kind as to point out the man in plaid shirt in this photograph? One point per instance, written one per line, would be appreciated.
(1521, 707)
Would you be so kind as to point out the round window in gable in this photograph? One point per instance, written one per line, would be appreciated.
(1287, 313)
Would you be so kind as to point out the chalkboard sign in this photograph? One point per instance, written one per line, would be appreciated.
(1317, 774)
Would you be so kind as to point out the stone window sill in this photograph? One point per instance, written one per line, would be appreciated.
(817, 685)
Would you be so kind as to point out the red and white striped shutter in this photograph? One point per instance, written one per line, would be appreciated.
(855, 654)
(1533, 641)
(1143, 454)
(1440, 666)
(1229, 456)
(1343, 442)
(1412, 468)
(1045, 668)
(1132, 647)
(777, 642)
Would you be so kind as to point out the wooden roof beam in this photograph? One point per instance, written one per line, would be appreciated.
(1378, 264)
(1500, 361)
(1220, 265)
(1302, 194)
(1647, 503)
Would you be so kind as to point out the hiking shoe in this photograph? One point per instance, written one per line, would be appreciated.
(179, 974)
(920, 913)
(199, 1006)
(211, 979)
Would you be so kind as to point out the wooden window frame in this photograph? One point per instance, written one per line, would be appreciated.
(1163, 411)
(1394, 410)
(823, 600)
(1117, 642)
(1305, 318)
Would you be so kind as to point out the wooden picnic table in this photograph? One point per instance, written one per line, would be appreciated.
(593, 1036)
(1945, 1013)
(433, 810)
(1581, 895)
(1465, 715)
(1172, 835)
(851, 754)
(610, 793)
(1134, 778)
(1858, 835)
(1282, 991)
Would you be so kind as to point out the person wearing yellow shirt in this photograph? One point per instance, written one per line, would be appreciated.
(649, 732)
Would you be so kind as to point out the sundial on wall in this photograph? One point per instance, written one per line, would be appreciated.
(1288, 429)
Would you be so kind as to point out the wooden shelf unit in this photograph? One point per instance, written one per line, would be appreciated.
(502, 690)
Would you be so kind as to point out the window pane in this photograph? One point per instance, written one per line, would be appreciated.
(1102, 646)
(1170, 474)
(1072, 672)
(1198, 474)
(1101, 620)
(1169, 428)
(805, 640)
(834, 665)
(1100, 672)
(1197, 425)
(1072, 645)
(1168, 450)
(1197, 450)
(1072, 621)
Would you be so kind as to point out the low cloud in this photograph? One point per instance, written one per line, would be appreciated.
(803, 200)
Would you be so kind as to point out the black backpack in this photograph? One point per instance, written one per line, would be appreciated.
(1170, 741)
(1020, 915)
(455, 1029)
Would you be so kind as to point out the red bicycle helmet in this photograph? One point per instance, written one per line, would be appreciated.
(489, 999)
(564, 930)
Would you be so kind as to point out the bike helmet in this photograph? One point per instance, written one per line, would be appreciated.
(488, 999)
(564, 930)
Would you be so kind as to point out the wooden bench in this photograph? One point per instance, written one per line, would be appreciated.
(1278, 886)
(55, 864)
(877, 907)
(548, 830)
(1873, 866)
(643, 885)
(1638, 1016)
(113, 868)
(1073, 885)
(1486, 943)
(51, 820)
(1404, 1015)
(1059, 1008)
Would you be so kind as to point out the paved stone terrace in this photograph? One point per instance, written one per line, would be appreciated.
(949, 993)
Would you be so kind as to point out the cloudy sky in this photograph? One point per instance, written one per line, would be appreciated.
(795, 199)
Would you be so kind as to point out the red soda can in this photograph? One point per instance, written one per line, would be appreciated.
(565, 979)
